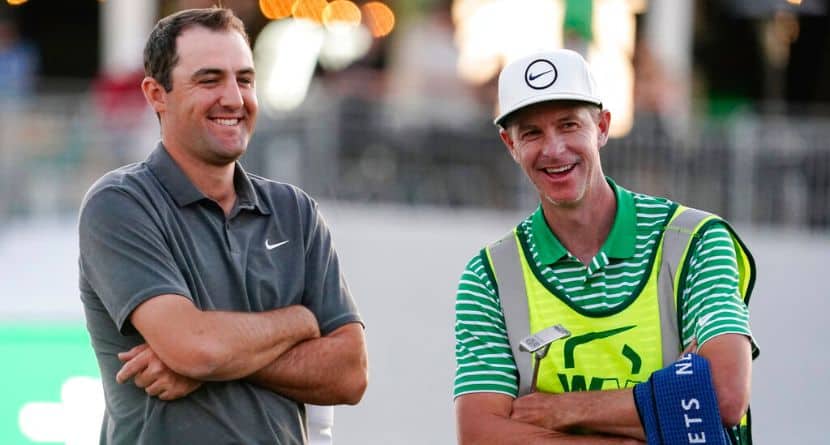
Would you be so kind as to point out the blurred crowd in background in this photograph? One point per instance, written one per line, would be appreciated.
(721, 104)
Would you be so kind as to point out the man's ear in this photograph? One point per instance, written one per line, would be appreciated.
(604, 126)
(504, 134)
(154, 93)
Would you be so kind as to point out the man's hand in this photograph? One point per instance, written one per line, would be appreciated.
(147, 371)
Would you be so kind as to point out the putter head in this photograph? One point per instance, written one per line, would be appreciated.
(539, 343)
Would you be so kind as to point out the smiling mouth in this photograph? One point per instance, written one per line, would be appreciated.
(561, 170)
(227, 122)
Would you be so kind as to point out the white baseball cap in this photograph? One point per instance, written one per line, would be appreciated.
(552, 75)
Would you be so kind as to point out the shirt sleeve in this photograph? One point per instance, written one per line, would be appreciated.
(326, 293)
(124, 259)
(484, 362)
(712, 303)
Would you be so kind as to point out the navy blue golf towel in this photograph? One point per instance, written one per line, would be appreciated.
(678, 405)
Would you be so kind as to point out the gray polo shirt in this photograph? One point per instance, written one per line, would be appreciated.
(146, 230)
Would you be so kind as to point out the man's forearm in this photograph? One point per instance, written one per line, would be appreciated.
(328, 370)
(218, 345)
(484, 419)
(502, 431)
(252, 343)
(607, 412)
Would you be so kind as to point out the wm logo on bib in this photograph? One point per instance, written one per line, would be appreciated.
(615, 364)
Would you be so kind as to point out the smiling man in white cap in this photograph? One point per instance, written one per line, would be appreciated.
(632, 279)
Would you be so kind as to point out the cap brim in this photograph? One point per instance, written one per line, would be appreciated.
(546, 98)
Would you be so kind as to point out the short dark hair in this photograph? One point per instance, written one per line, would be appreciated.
(160, 54)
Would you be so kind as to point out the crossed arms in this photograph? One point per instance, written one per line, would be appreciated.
(280, 350)
(610, 416)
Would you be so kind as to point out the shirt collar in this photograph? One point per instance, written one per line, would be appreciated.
(619, 244)
(623, 236)
(246, 192)
(183, 191)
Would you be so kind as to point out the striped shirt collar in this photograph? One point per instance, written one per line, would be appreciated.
(619, 244)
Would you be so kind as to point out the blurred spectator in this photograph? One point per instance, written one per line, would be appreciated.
(655, 92)
(122, 113)
(19, 66)
(424, 72)
(19, 62)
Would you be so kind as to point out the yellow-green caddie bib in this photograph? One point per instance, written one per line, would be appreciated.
(623, 347)
(614, 351)
(618, 349)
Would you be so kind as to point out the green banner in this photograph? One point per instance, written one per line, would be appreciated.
(50, 386)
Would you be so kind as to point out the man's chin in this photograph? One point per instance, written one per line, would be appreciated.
(564, 202)
(228, 153)
(225, 157)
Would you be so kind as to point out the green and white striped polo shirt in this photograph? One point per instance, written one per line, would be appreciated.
(711, 303)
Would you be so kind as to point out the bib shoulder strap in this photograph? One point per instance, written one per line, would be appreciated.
(676, 238)
(507, 268)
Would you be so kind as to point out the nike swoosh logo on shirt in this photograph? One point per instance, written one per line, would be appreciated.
(270, 246)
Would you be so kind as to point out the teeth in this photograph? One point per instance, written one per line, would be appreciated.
(227, 122)
(559, 169)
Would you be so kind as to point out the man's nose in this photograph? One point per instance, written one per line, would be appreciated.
(553, 145)
(231, 96)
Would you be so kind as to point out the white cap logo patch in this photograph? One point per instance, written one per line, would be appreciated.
(540, 74)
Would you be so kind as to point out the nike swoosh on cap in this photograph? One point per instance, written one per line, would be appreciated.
(533, 77)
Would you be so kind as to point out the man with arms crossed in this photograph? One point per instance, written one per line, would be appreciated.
(586, 260)
(213, 297)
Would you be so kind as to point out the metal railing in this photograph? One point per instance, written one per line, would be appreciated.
(766, 170)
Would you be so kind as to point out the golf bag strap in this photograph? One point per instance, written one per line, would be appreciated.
(676, 238)
(507, 266)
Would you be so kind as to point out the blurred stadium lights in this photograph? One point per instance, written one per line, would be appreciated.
(16, 2)
(343, 45)
(276, 9)
(611, 53)
(376, 16)
(379, 18)
(340, 12)
(335, 34)
(285, 54)
(309, 10)
(490, 33)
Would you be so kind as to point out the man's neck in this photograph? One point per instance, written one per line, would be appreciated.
(584, 228)
(214, 181)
